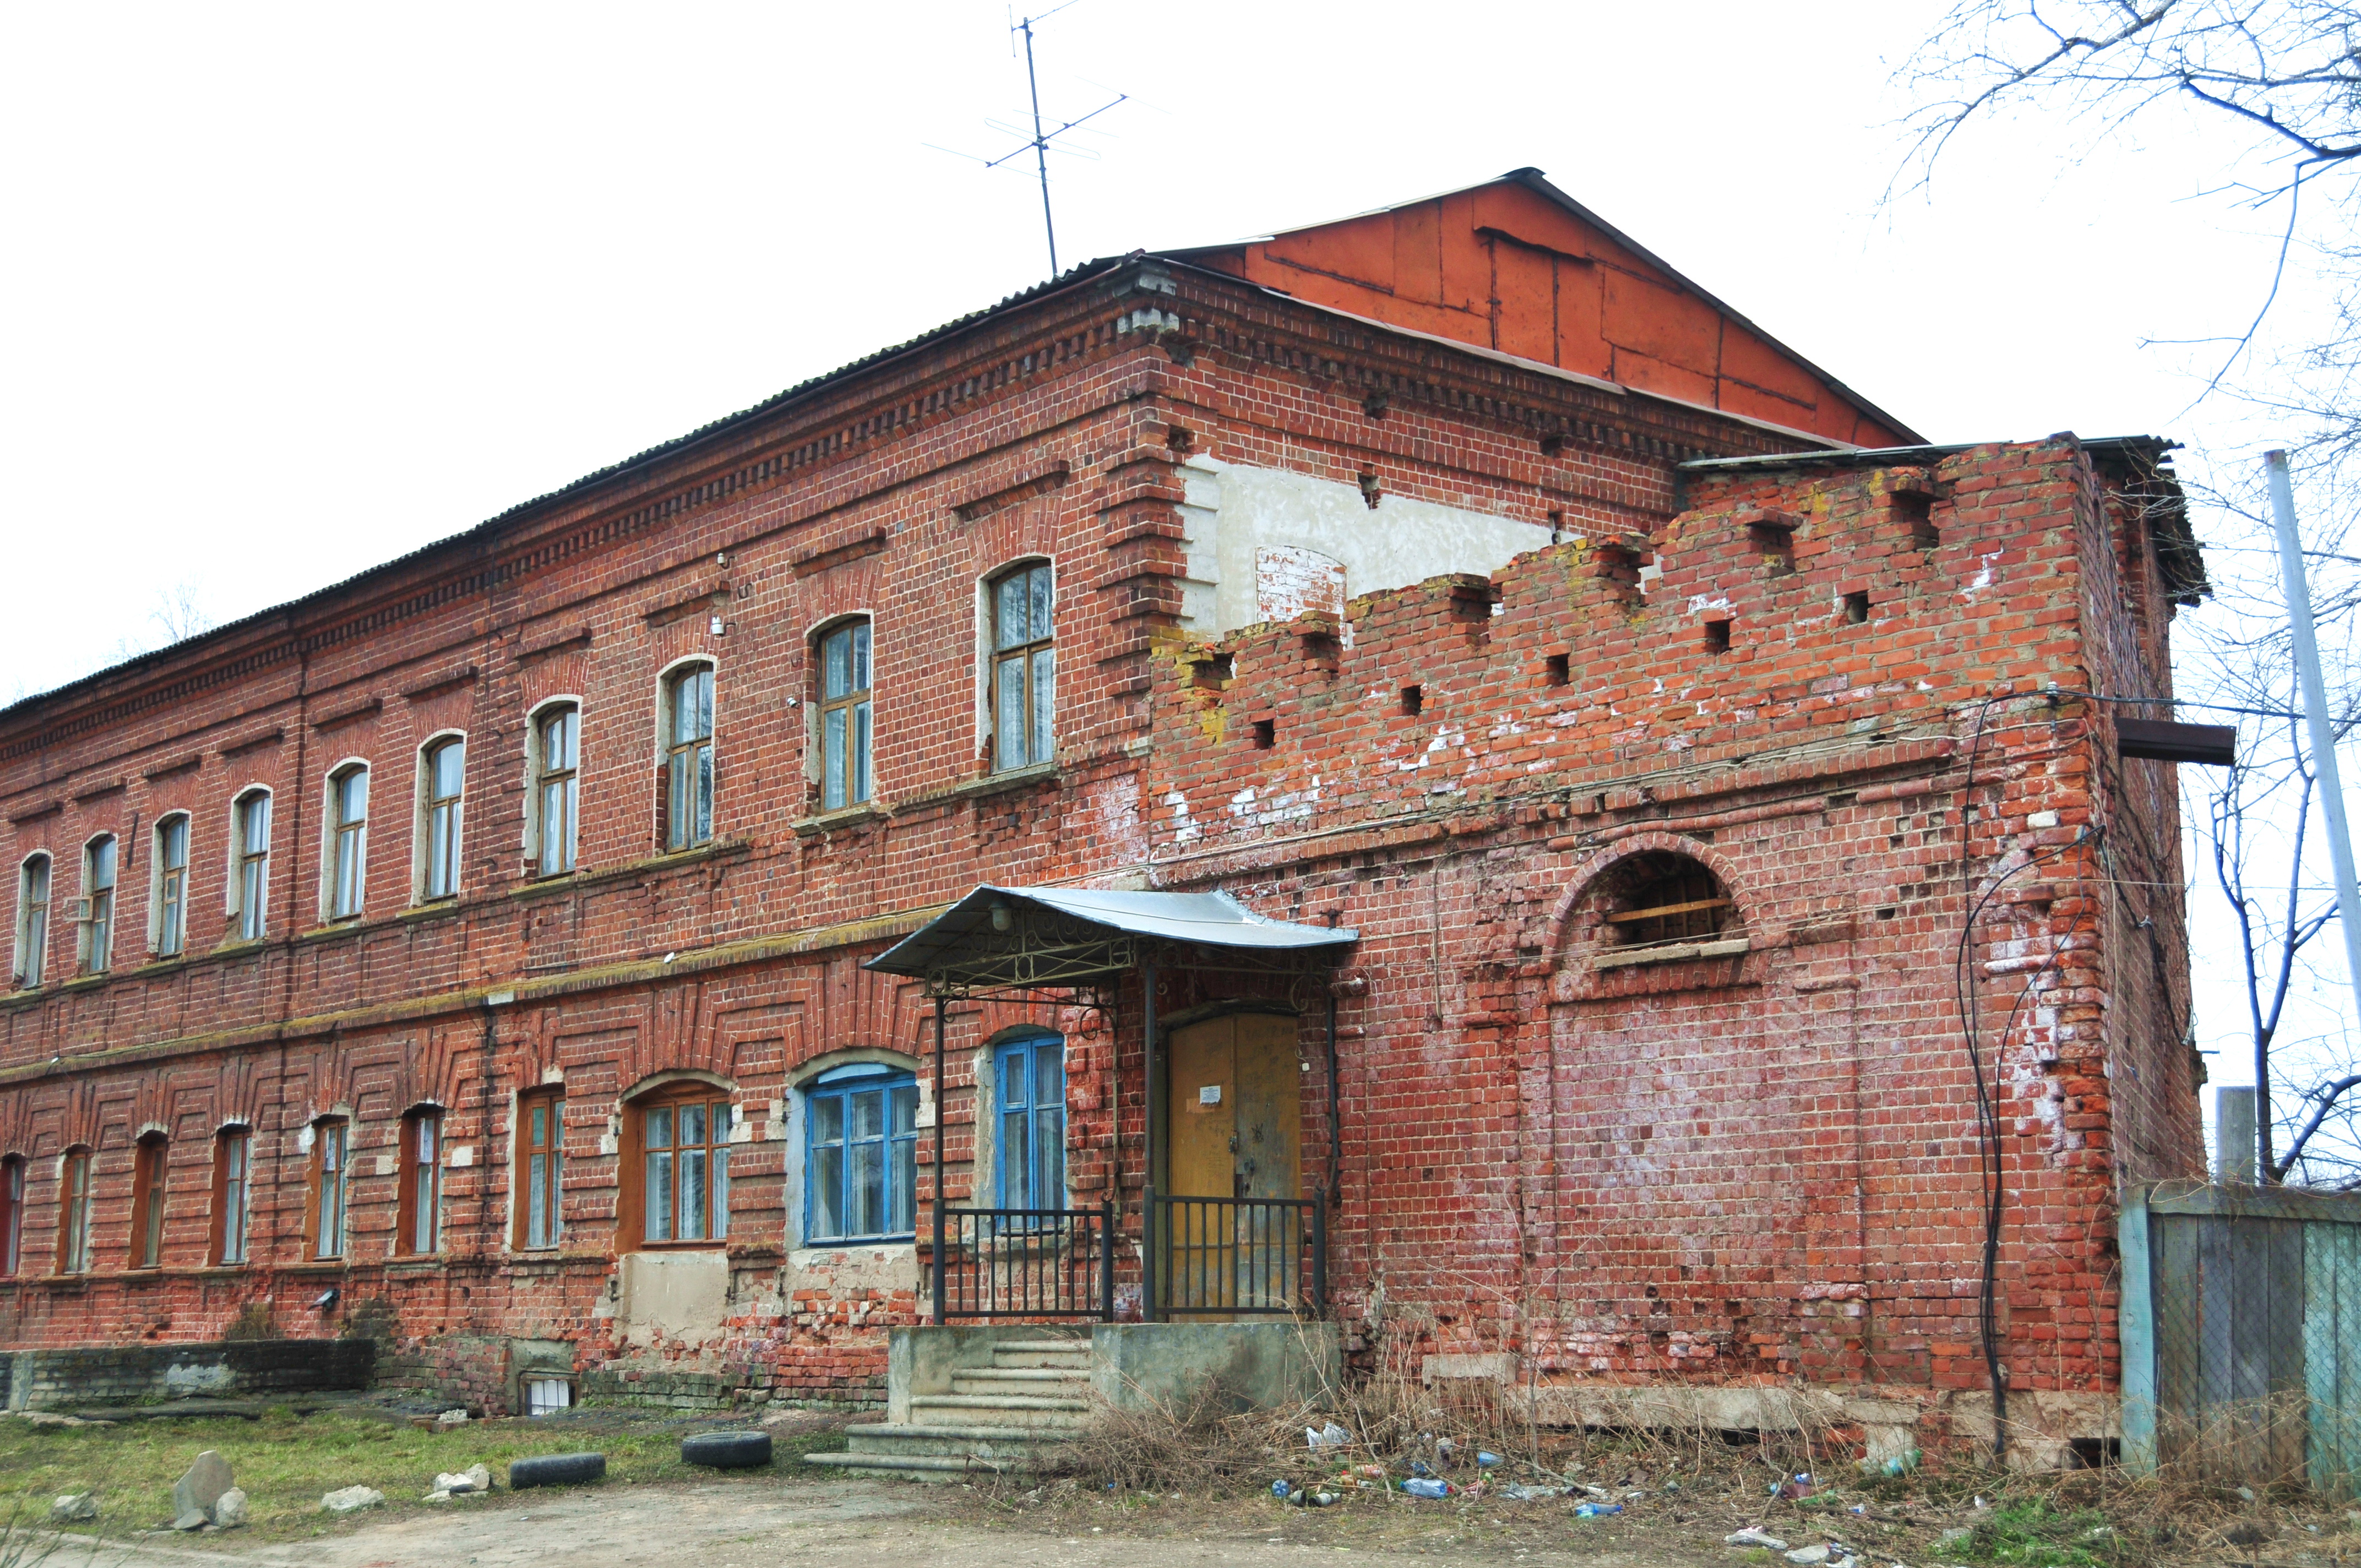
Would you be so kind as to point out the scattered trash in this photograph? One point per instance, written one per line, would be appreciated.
(229, 1510)
(1805, 1555)
(1600, 1492)
(1426, 1486)
(1595, 1511)
(1793, 1491)
(1751, 1537)
(1280, 1489)
(1861, 1509)
(1446, 1450)
(1486, 1461)
(1518, 1492)
(1981, 1503)
(1419, 1468)
(557, 1470)
(74, 1508)
(348, 1498)
(1329, 1436)
(1901, 1464)
(1373, 1472)
(2245, 1495)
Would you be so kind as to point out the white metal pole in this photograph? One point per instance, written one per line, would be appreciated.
(2323, 736)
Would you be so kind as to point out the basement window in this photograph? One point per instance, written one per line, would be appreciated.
(546, 1396)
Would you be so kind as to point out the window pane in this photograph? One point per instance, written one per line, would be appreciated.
(868, 1114)
(860, 657)
(438, 852)
(352, 795)
(1048, 1073)
(1049, 1160)
(659, 1226)
(102, 864)
(832, 754)
(903, 1187)
(1043, 663)
(536, 1225)
(704, 794)
(1012, 1078)
(828, 1118)
(1037, 583)
(868, 1218)
(1008, 719)
(692, 1125)
(555, 830)
(836, 661)
(906, 1110)
(827, 1193)
(859, 751)
(721, 1192)
(450, 769)
(692, 1194)
(660, 1127)
(1016, 1160)
(175, 846)
(1008, 611)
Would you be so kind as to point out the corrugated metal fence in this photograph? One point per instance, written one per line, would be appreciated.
(2242, 1334)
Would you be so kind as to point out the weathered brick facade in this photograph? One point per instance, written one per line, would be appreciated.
(1758, 1164)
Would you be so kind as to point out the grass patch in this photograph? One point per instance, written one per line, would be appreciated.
(2034, 1534)
(285, 1462)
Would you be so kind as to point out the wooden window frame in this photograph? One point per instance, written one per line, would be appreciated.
(442, 821)
(632, 1204)
(150, 1179)
(101, 857)
(233, 1197)
(327, 1200)
(12, 1214)
(36, 881)
(74, 1182)
(1035, 1118)
(418, 1165)
(846, 726)
(896, 1152)
(557, 790)
(250, 874)
(685, 812)
(1034, 657)
(172, 886)
(540, 1157)
(348, 844)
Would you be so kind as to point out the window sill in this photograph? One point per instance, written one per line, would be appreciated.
(1014, 778)
(237, 946)
(161, 964)
(1677, 952)
(722, 1245)
(352, 926)
(578, 881)
(440, 909)
(848, 817)
(86, 981)
(314, 1265)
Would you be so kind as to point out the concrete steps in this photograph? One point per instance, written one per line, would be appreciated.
(1012, 1416)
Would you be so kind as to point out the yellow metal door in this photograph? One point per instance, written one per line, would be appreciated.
(1234, 1130)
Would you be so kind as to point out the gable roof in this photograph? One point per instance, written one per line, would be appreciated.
(1518, 266)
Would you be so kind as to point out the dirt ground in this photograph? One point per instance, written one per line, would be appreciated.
(868, 1522)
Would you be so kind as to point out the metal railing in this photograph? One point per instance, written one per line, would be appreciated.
(1024, 1263)
(1240, 1256)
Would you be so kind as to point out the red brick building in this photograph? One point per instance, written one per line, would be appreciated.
(471, 955)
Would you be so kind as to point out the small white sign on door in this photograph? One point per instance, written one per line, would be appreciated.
(1210, 1094)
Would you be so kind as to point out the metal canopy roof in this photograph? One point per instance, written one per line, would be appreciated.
(1002, 937)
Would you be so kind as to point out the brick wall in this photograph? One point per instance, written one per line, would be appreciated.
(1753, 1166)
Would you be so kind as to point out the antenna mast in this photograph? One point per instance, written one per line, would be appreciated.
(1040, 142)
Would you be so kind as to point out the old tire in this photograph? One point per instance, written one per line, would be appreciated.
(727, 1450)
(557, 1470)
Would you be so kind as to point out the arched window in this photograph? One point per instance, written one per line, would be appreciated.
(686, 799)
(233, 1181)
(331, 1148)
(861, 1154)
(97, 912)
(1023, 667)
(12, 1214)
(74, 1212)
(682, 1143)
(556, 770)
(444, 774)
(1660, 898)
(844, 715)
(1029, 1079)
(541, 1167)
(348, 792)
(249, 886)
(419, 1225)
(32, 918)
(169, 918)
(148, 1182)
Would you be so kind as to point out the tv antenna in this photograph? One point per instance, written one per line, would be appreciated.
(1041, 141)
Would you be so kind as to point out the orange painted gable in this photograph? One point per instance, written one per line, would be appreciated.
(1520, 267)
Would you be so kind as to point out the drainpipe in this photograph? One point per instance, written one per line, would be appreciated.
(1148, 1300)
(940, 1003)
(1336, 1109)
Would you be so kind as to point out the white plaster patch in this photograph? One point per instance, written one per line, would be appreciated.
(1290, 580)
(462, 1156)
(1184, 830)
(384, 1163)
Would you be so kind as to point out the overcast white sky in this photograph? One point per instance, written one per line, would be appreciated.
(289, 290)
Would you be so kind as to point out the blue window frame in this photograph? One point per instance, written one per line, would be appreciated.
(861, 1155)
(1031, 1073)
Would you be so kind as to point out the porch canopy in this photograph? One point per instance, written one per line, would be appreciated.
(1003, 939)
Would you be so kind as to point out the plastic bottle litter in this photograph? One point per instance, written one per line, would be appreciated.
(1486, 1461)
(1751, 1537)
(1329, 1436)
(1595, 1511)
(1518, 1492)
(1426, 1486)
(1280, 1489)
(1422, 1469)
